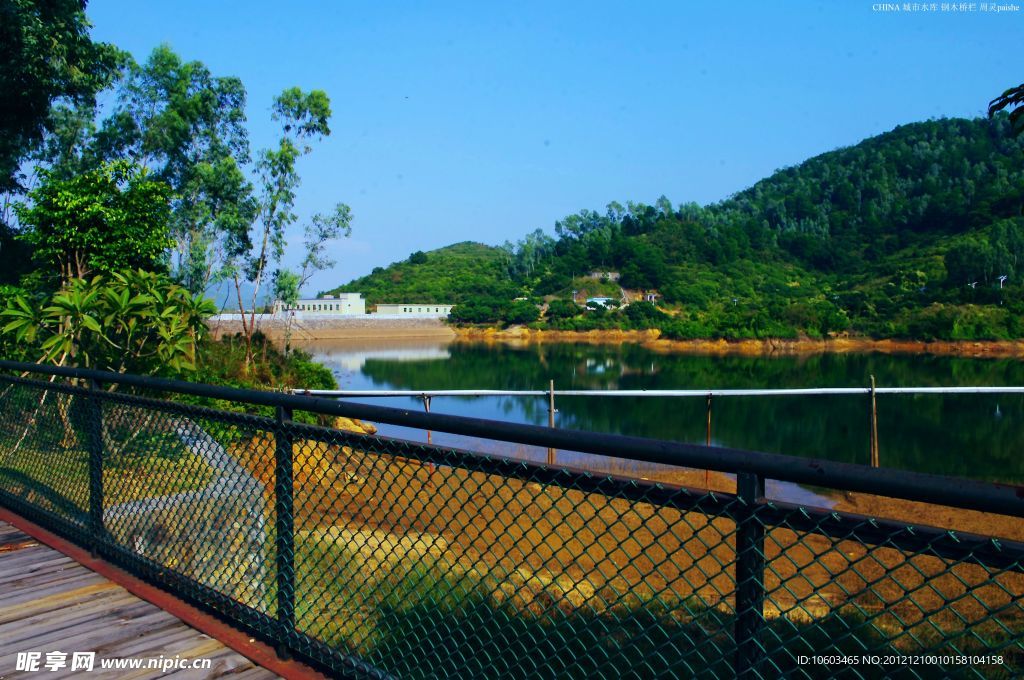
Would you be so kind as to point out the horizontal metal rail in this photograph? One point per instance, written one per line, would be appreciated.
(1004, 499)
(785, 392)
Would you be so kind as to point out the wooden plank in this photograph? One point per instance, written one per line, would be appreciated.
(109, 600)
(8, 529)
(211, 647)
(7, 575)
(153, 646)
(123, 625)
(9, 541)
(7, 562)
(51, 574)
(62, 620)
(41, 636)
(70, 571)
(8, 581)
(223, 663)
(19, 559)
(11, 572)
(9, 535)
(36, 576)
(62, 588)
(51, 604)
(191, 649)
(254, 673)
(70, 611)
(95, 639)
(7, 547)
(20, 610)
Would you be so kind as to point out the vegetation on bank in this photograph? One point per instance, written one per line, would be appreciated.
(916, 233)
(115, 220)
(222, 362)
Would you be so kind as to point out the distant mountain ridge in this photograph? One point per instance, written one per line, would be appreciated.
(452, 274)
(916, 232)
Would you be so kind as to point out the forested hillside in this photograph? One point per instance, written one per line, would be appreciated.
(914, 233)
(453, 274)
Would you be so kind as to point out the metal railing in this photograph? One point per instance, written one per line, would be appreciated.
(372, 556)
(871, 392)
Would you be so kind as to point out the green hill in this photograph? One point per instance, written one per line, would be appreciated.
(905, 234)
(453, 274)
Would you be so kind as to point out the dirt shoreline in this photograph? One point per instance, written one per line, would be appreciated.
(355, 329)
(651, 339)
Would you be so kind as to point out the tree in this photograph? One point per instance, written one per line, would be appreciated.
(321, 229)
(101, 221)
(644, 314)
(68, 147)
(187, 127)
(563, 309)
(969, 261)
(303, 116)
(522, 311)
(484, 310)
(45, 55)
(1012, 99)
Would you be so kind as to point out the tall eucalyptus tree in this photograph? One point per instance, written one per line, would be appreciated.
(304, 116)
(187, 126)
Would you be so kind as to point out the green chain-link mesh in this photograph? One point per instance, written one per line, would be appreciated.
(408, 560)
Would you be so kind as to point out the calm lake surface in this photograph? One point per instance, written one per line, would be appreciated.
(978, 436)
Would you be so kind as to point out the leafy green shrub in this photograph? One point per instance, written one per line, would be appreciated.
(522, 312)
(482, 311)
(129, 321)
(641, 315)
(563, 309)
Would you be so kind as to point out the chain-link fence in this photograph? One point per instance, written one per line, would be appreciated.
(372, 556)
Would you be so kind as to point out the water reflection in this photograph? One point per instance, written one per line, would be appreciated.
(977, 436)
(348, 356)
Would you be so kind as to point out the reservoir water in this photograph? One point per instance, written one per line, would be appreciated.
(976, 436)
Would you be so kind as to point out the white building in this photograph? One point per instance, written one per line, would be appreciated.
(415, 309)
(347, 304)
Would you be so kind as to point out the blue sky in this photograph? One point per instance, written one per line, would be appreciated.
(484, 121)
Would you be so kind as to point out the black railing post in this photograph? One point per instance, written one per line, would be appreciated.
(94, 442)
(750, 565)
(873, 434)
(284, 506)
(552, 453)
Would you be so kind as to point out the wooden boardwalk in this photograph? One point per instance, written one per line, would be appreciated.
(51, 603)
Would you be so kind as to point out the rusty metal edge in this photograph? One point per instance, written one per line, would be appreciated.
(259, 653)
